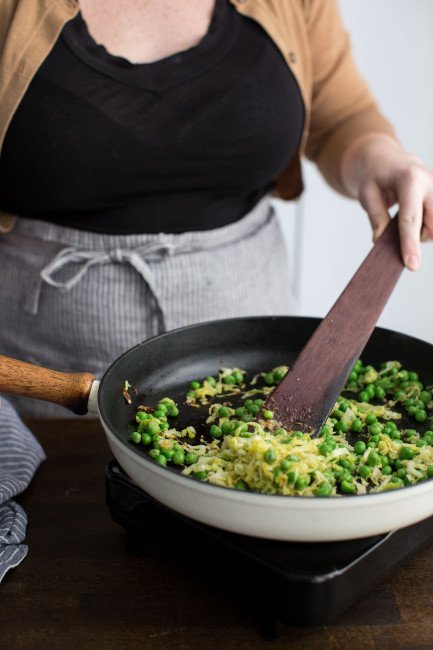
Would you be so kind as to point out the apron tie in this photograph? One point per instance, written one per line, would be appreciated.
(138, 258)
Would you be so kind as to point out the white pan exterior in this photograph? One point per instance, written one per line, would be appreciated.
(296, 519)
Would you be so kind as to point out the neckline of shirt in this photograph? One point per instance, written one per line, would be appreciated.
(165, 73)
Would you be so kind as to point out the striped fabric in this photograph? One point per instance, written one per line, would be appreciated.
(75, 301)
(20, 456)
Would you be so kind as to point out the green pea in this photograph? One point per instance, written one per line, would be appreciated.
(384, 461)
(401, 473)
(326, 430)
(285, 465)
(194, 385)
(337, 414)
(229, 380)
(154, 453)
(238, 375)
(302, 482)
(425, 396)
(406, 453)
(240, 411)
(135, 437)
(343, 475)
(281, 432)
(226, 428)
(365, 471)
(369, 389)
(430, 471)
(161, 460)
(268, 415)
(269, 378)
(324, 490)
(347, 487)
(215, 431)
(420, 415)
(179, 458)
(379, 392)
(211, 380)
(360, 446)
(141, 415)
(201, 475)
(259, 402)
(373, 459)
(191, 458)
(342, 427)
(364, 396)
(270, 455)
(159, 414)
(146, 438)
(346, 464)
(353, 376)
(172, 410)
(240, 485)
(279, 373)
(253, 409)
(387, 470)
(356, 426)
(223, 412)
(153, 428)
(370, 419)
(413, 376)
(168, 453)
(412, 410)
(324, 449)
(375, 438)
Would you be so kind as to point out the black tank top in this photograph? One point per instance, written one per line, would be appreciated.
(190, 142)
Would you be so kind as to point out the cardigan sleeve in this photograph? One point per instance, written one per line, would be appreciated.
(342, 105)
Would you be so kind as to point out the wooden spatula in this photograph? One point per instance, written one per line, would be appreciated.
(304, 398)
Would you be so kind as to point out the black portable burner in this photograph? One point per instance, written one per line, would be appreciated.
(299, 584)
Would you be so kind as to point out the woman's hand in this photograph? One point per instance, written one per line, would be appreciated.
(379, 173)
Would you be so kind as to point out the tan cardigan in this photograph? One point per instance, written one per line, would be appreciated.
(309, 33)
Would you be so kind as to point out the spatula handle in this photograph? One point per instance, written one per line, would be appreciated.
(305, 396)
(70, 390)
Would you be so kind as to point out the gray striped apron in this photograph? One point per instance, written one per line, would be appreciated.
(74, 300)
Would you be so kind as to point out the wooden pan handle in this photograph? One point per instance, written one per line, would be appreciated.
(70, 390)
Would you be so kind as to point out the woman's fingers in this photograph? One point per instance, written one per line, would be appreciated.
(374, 204)
(411, 196)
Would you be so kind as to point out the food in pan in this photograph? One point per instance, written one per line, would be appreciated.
(378, 437)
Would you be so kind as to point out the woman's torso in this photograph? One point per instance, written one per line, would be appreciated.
(191, 141)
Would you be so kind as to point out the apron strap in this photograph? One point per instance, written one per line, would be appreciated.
(85, 259)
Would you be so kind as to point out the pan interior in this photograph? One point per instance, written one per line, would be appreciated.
(164, 366)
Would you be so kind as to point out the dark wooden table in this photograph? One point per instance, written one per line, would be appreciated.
(79, 588)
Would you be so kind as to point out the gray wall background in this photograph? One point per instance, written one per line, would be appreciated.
(328, 236)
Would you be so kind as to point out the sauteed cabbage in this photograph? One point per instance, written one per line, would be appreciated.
(365, 445)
